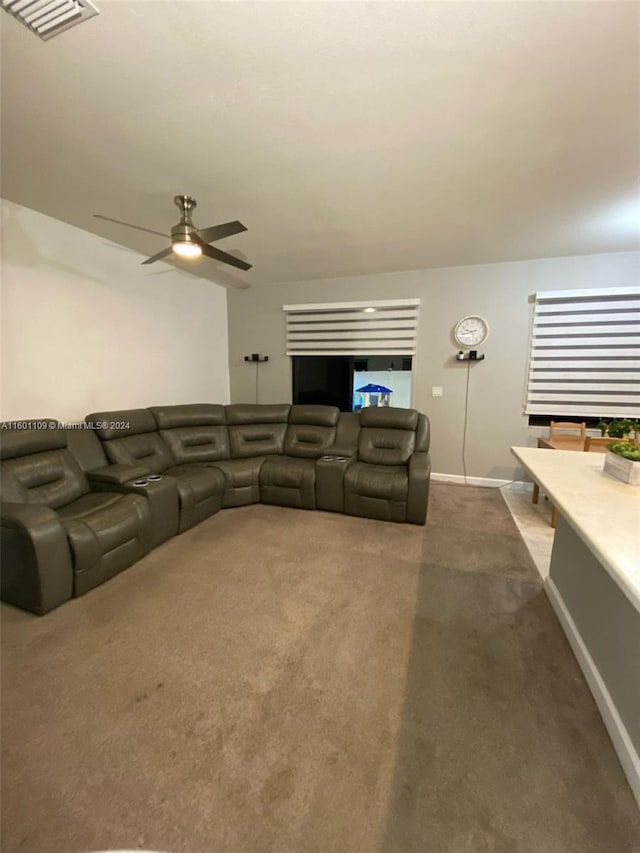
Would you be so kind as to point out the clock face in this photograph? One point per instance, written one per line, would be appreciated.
(471, 331)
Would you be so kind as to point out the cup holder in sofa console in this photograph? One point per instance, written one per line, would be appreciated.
(153, 478)
(140, 482)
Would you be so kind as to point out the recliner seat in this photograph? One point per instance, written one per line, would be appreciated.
(140, 443)
(290, 479)
(390, 479)
(60, 539)
(256, 434)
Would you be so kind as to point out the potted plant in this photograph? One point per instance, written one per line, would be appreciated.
(622, 460)
(616, 428)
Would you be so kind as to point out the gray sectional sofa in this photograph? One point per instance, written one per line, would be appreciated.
(81, 505)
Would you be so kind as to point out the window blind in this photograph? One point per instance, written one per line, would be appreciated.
(585, 353)
(388, 327)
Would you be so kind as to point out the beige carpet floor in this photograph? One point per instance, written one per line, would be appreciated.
(281, 681)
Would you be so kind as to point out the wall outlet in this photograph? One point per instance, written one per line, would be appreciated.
(436, 391)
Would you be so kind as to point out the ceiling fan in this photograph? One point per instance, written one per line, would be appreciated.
(187, 241)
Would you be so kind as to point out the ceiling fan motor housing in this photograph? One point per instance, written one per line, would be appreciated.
(184, 231)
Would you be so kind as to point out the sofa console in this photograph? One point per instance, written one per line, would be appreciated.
(81, 505)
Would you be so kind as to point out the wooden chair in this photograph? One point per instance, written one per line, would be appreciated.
(599, 444)
(554, 426)
(557, 428)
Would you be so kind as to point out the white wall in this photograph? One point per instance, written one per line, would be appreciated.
(499, 292)
(85, 327)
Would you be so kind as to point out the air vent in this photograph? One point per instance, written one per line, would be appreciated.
(49, 18)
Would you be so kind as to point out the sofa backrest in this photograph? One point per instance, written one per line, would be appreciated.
(256, 429)
(37, 468)
(311, 430)
(86, 448)
(348, 430)
(195, 432)
(131, 437)
(387, 435)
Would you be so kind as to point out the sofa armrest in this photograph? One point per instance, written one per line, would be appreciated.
(161, 492)
(418, 496)
(116, 475)
(37, 570)
(330, 471)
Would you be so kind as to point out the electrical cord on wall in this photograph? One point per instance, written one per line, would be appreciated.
(464, 428)
(464, 433)
(257, 359)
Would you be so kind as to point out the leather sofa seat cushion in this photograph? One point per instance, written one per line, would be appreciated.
(101, 522)
(376, 491)
(52, 478)
(200, 481)
(371, 481)
(200, 491)
(288, 481)
(242, 480)
(385, 446)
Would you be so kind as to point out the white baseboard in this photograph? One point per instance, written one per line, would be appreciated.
(488, 482)
(617, 731)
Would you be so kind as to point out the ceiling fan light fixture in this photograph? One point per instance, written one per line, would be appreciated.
(186, 240)
(186, 249)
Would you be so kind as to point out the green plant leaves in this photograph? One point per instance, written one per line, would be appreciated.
(625, 449)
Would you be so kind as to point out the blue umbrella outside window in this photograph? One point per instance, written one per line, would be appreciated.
(373, 395)
(373, 389)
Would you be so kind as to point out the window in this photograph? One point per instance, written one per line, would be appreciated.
(585, 354)
(352, 354)
(382, 380)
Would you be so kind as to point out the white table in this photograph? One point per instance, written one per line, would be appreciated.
(594, 584)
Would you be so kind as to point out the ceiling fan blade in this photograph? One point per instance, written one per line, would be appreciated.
(129, 225)
(217, 232)
(217, 255)
(220, 277)
(159, 256)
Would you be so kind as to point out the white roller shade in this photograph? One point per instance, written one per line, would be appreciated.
(346, 328)
(585, 353)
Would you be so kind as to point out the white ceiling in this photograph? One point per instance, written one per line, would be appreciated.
(350, 137)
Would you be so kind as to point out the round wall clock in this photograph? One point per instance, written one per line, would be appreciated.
(471, 331)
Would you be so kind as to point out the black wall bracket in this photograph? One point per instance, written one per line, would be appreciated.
(256, 357)
(472, 355)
